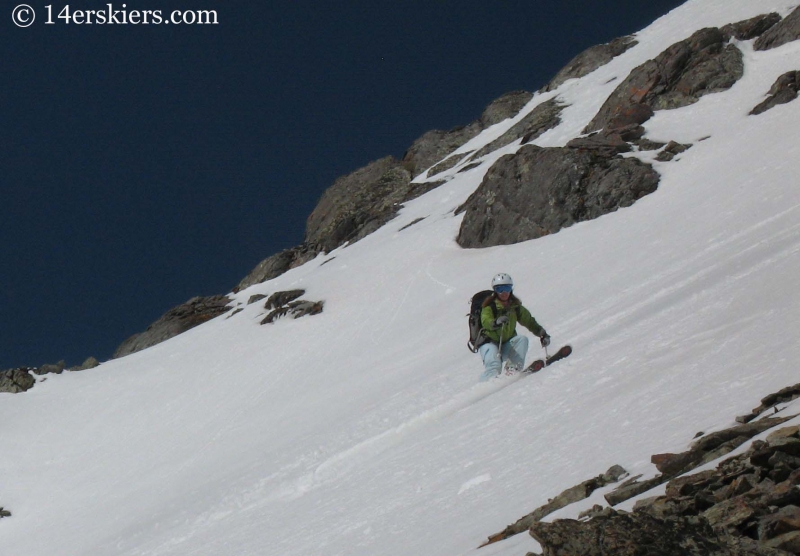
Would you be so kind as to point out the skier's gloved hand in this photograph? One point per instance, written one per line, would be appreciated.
(501, 321)
(545, 339)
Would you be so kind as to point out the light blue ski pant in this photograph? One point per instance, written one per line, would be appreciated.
(514, 351)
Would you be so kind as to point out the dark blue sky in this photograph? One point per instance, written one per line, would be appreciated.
(141, 165)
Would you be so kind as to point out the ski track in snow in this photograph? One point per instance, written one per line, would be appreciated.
(339, 464)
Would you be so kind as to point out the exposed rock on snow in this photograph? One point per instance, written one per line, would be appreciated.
(591, 59)
(540, 119)
(184, 317)
(569, 496)
(435, 145)
(787, 30)
(677, 77)
(4, 513)
(784, 90)
(750, 28)
(287, 303)
(16, 380)
(538, 191)
(768, 402)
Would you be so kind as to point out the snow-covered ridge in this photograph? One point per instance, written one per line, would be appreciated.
(362, 430)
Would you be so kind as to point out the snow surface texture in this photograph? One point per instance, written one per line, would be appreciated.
(362, 431)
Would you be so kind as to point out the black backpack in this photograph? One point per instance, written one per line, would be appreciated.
(476, 335)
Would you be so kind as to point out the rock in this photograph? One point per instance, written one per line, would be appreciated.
(447, 164)
(702, 64)
(782, 396)
(256, 298)
(56, 369)
(279, 299)
(277, 264)
(176, 321)
(690, 484)
(671, 151)
(89, 363)
(538, 191)
(784, 90)
(507, 106)
(16, 380)
(750, 28)
(787, 30)
(545, 116)
(629, 489)
(594, 511)
(786, 432)
(730, 513)
(567, 497)
(749, 430)
(4, 513)
(296, 309)
(623, 534)
(790, 542)
(589, 60)
(785, 520)
(435, 145)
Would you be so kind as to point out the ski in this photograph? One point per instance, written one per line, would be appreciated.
(540, 364)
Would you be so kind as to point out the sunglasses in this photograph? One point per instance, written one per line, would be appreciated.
(502, 289)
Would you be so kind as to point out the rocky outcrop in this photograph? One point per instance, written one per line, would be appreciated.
(545, 116)
(623, 534)
(786, 31)
(16, 380)
(4, 513)
(702, 64)
(358, 204)
(589, 60)
(538, 191)
(750, 28)
(435, 145)
(569, 496)
(287, 303)
(277, 264)
(770, 401)
(176, 321)
(784, 90)
(747, 505)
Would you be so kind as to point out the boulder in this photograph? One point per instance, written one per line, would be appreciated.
(589, 60)
(89, 363)
(784, 90)
(702, 64)
(538, 191)
(16, 380)
(49, 368)
(176, 321)
(787, 30)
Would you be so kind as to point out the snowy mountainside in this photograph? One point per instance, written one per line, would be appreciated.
(362, 430)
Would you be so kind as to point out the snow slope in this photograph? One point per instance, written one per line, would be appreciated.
(362, 431)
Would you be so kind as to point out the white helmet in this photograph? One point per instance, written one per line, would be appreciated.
(502, 279)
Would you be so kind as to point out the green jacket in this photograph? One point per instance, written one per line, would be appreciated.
(515, 312)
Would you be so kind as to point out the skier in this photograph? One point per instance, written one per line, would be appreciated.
(499, 316)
